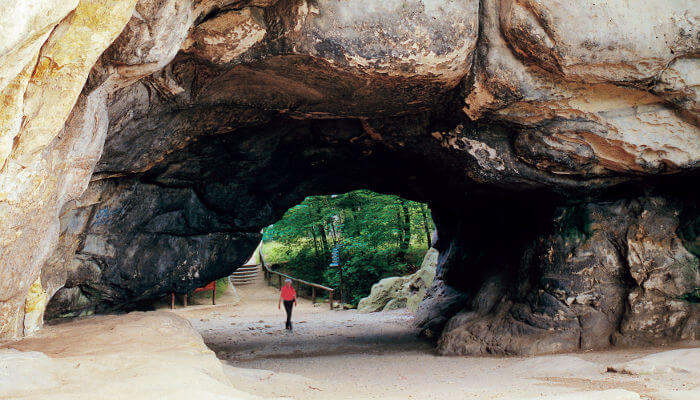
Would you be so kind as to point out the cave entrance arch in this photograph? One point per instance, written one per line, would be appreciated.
(176, 215)
(140, 233)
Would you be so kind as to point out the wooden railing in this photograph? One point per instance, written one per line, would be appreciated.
(269, 273)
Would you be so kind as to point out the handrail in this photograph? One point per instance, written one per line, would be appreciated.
(314, 286)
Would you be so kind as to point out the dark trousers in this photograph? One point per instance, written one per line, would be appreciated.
(288, 304)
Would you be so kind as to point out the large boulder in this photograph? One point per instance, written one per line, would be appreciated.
(386, 291)
(401, 291)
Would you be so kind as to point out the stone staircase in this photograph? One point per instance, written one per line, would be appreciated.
(246, 274)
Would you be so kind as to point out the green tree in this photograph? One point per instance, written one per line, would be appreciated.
(378, 236)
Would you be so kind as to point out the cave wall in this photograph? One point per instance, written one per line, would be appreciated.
(197, 122)
(587, 276)
(198, 213)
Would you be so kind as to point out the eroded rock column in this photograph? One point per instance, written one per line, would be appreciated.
(613, 273)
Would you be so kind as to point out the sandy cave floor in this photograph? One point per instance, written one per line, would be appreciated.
(330, 355)
(350, 355)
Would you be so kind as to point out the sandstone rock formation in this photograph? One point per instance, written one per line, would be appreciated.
(608, 273)
(144, 143)
(681, 360)
(47, 157)
(134, 356)
(401, 291)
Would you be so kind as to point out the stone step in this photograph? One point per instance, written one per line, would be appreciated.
(246, 275)
(243, 272)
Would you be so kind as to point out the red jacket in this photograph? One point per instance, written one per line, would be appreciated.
(288, 293)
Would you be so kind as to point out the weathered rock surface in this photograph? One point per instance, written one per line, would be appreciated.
(401, 291)
(611, 44)
(431, 39)
(585, 286)
(387, 293)
(681, 362)
(198, 122)
(686, 361)
(39, 174)
(134, 356)
(580, 91)
(227, 36)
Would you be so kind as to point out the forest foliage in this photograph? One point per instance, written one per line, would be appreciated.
(377, 236)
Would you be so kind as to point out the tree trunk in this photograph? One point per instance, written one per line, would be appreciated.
(405, 229)
(318, 256)
(324, 242)
(424, 212)
(399, 237)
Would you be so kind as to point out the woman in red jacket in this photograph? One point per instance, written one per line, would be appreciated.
(289, 296)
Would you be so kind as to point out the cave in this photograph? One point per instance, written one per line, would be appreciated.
(512, 258)
(163, 220)
(562, 177)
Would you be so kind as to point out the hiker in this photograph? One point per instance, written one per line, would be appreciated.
(289, 296)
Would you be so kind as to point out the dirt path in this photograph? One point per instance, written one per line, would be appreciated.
(253, 327)
(348, 355)
(330, 355)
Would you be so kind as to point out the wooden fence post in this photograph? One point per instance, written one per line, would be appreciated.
(297, 285)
